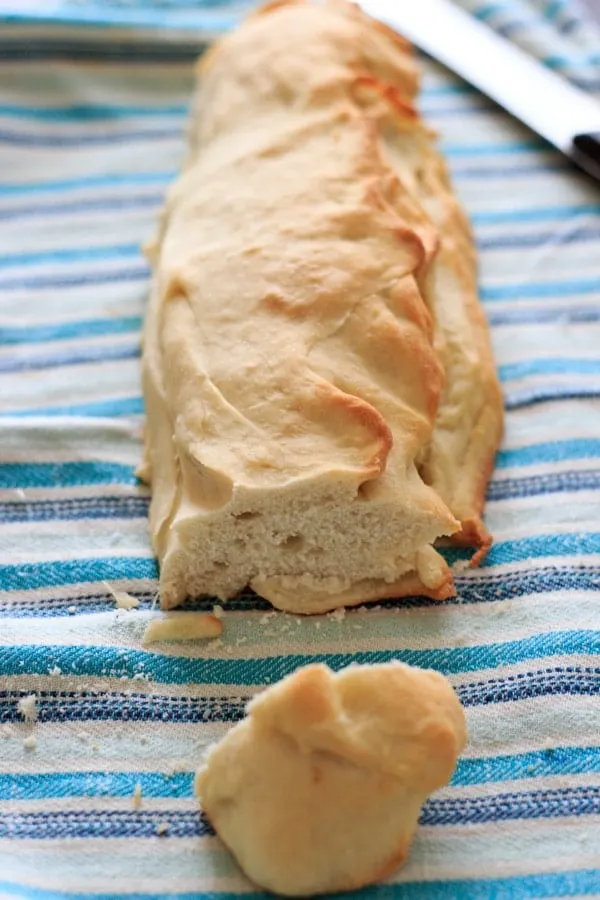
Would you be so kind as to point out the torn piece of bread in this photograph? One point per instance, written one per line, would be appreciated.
(321, 399)
(319, 789)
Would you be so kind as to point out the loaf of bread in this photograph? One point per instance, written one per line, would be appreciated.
(322, 404)
(320, 788)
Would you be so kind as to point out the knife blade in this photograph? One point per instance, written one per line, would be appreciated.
(550, 105)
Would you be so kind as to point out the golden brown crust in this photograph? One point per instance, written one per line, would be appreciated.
(459, 459)
(308, 597)
(473, 461)
(314, 339)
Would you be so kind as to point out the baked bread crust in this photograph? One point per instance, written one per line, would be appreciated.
(320, 788)
(321, 399)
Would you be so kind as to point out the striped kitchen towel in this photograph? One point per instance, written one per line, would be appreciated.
(93, 101)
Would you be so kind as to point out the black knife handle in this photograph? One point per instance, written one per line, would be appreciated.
(585, 153)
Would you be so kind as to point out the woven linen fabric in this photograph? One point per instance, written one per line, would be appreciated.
(93, 102)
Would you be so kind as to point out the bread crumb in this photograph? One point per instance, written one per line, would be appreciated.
(28, 708)
(162, 828)
(264, 619)
(71, 609)
(29, 743)
(6, 732)
(83, 736)
(182, 626)
(143, 739)
(137, 796)
(55, 671)
(338, 615)
(460, 565)
(218, 612)
(122, 598)
(177, 767)
(216, 644)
